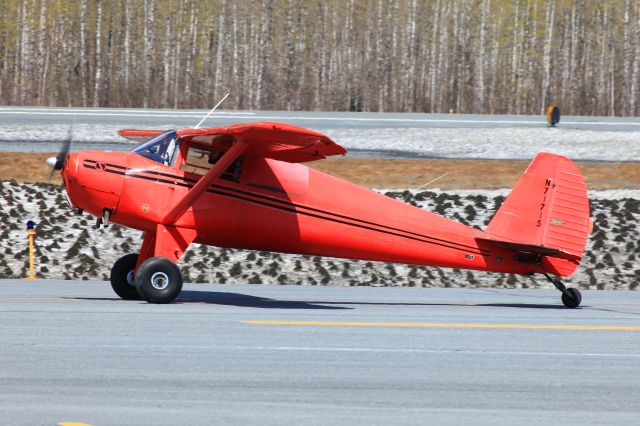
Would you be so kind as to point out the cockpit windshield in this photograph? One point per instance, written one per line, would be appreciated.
(160, 149)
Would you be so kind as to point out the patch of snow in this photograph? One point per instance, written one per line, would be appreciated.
(495, 143)
(69, 247)
(481, 143)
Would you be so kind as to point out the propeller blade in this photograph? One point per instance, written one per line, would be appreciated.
(64, 149)
(57, 162)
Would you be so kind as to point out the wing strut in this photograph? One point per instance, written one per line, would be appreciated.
(205, 181)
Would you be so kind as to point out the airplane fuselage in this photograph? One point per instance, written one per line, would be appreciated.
(280, 207)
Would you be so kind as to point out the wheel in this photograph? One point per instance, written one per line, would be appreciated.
(122, 276)
(158, 280)
(574, 300)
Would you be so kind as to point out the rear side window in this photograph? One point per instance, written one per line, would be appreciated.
(199, 160)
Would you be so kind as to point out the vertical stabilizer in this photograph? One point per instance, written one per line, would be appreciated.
(548, 207)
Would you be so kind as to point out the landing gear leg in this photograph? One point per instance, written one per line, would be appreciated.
(571, 297)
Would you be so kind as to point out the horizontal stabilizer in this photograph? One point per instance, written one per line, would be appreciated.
(530, 249)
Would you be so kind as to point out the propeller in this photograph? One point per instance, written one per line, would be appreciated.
(57, 162)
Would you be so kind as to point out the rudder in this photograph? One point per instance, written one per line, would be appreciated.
(548, 208)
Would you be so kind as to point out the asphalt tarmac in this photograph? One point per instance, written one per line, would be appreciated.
(273, 355)
(43, 128)
(136, 117)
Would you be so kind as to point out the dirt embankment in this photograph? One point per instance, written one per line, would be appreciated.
(388, 173)
(465, 174)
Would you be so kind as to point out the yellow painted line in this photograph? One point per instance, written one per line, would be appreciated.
(73, 424)
(440, 325)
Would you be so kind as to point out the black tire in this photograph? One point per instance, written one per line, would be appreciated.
(572, 301)
(122, 276)
(158, 280)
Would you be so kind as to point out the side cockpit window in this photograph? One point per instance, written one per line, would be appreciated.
(160, 149)
(199, 160)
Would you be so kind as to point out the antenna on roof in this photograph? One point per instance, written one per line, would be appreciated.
(212, 109)
(432, 180)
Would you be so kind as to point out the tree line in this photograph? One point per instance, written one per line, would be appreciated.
(464, 56)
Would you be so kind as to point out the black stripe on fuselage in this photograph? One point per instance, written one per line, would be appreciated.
(294, 208)
(115, 172)
(108, 168)
(115, 166)
(155, 179)
(290, 204)
(390, 228)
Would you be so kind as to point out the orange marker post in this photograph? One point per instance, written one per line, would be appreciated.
(31, 232)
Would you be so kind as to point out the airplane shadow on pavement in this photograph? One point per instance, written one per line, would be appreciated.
(237, 299)
(435, 304)
(245, 300)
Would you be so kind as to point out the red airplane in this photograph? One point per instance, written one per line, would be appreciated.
(244, 187)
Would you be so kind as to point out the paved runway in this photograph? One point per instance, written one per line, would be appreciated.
(135, 117)
(222, 354)
(364, 134)
(368, 134)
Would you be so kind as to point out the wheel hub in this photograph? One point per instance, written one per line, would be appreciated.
(131, 278)
(160, 280)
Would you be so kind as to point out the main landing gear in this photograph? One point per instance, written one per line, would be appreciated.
(157, 280)
(571, 297)
(122, 277)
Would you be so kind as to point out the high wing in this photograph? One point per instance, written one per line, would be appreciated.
(139, 135)
(278, 141)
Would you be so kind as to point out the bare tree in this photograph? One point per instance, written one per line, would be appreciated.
(149, 39)
(83, 51)
(479, 103)
(546, 62)
(98, 59)
(633, 90)
(384, 55)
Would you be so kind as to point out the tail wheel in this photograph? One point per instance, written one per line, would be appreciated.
(122, 277)
(158, 280)
(571, 298)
